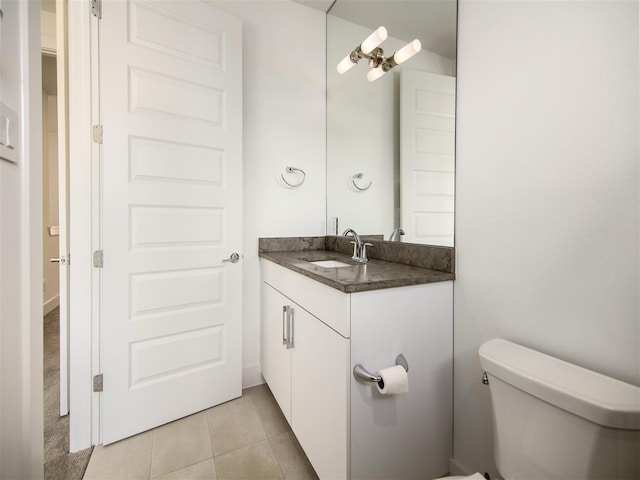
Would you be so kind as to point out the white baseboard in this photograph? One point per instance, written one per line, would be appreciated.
(50, 304)
(251, 376)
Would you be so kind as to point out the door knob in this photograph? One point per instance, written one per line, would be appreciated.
(61, 260)
(233, 258)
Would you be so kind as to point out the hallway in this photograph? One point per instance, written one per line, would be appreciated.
(59, 464)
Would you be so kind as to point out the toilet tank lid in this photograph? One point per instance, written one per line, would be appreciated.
(588, 394)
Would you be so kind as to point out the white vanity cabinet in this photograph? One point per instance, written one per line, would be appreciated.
(305, 364)
(346, 428)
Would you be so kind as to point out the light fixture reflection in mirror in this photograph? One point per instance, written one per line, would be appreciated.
(363, 50)
(373, 40)
(368, 127)
(402, 55)
(370, 49)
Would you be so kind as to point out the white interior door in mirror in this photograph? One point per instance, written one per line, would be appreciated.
(427, 164)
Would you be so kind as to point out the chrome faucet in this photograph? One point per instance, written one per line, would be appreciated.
(359, 248)
(395, 235)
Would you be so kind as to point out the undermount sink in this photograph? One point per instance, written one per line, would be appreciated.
(330, 264)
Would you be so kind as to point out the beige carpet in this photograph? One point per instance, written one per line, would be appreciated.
(59, 464)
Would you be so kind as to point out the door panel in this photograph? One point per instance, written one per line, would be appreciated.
(171, 309)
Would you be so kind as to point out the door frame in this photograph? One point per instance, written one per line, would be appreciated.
(84, 227)
(63, 199)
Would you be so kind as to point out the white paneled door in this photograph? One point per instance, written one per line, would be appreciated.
(427, 163)
(171, 106)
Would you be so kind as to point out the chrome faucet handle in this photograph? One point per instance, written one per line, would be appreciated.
(364, 251)
(396, 235)
(355, 250)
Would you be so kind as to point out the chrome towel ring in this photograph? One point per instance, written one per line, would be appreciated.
(296, 171)
(359, 176)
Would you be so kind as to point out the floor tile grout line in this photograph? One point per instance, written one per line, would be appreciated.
(204, 412)
(245, 446)
(277, 459)
(153, 449)
(259, 418)
(182, 468)
(255, 407)
(251, 401)
(213, 453)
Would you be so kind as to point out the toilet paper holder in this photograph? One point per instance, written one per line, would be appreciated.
(361, 373)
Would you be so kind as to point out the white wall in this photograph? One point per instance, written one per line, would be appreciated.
(21, 450)
(284, 124)
(363, 133)
(547, 206)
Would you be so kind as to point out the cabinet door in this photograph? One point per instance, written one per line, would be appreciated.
(274, 356)
(319, 383)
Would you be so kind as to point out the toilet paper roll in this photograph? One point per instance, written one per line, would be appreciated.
(394, 380)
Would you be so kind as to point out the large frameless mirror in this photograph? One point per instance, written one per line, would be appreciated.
(391, 141)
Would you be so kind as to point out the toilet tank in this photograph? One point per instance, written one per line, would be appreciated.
(553, 419)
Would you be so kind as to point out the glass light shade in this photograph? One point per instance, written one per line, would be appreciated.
(408, 51)
(375, 73)
(345, 64)
(373, 40)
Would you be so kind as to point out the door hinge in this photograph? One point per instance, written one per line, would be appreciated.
(97, 383)
(96, 8)
(97, 134)
(98, 259)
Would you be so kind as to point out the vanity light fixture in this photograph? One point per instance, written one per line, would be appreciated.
(370, 49)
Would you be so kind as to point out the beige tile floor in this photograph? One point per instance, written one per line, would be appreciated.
(246, 438)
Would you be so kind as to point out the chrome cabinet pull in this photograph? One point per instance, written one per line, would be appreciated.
(290, 328)
(287, 326)
(285, 320)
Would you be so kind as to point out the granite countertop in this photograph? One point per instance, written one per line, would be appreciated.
(359, 277)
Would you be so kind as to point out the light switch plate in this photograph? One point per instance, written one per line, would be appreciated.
(9, 138)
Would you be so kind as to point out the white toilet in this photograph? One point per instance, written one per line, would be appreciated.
(555, 420)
